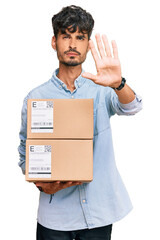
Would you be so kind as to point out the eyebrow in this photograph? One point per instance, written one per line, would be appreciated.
(79, 34)
(66, 34)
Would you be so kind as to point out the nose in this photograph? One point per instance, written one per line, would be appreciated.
(72, 43)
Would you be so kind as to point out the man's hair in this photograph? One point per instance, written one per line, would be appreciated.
(72, 18)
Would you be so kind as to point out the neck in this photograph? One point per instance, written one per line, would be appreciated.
(69, 74)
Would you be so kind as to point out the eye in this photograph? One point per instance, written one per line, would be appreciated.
(65, 36)
(80, 37)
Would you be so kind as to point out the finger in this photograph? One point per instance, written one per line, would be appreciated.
(58, 182)
(69, 184)
(100, 45)
(93, 51)
(89, 76)
(106, 45)
(65, 184)
(115, 49)
(77, 183)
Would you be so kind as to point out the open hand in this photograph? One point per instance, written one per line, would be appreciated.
(108, 67)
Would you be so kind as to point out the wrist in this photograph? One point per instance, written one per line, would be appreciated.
(122, 84)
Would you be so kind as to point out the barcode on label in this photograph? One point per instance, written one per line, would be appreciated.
(47, 148)
(40, 168)
(42, 123)
(49, 104)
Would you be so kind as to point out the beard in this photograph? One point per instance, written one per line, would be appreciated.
(72, 63)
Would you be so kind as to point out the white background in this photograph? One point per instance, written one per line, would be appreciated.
(27, 60)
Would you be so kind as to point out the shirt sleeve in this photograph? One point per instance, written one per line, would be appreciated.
(23, 136)
(116, 107)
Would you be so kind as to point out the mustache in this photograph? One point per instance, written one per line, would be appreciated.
(72, 50)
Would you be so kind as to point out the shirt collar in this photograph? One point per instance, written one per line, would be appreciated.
(60, 84)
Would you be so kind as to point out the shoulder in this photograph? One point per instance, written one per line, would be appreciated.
(35, 92)
(40, 91)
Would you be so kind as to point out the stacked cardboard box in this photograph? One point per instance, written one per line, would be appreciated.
(59, 144)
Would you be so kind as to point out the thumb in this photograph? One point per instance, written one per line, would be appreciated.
(89, 76)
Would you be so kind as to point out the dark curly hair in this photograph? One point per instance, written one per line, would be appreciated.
(72, 18)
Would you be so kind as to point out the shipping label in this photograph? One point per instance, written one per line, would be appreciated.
(42, 117)
(40, 161)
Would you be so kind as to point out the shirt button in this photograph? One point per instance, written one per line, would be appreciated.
(59, 86)
(63, 85)
(72, 96)
(79, 84)
(84, 201)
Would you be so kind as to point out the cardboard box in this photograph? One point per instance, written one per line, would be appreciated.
(59, 160)
(60, 119)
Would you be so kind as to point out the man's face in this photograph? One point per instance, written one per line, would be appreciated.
(71, 48)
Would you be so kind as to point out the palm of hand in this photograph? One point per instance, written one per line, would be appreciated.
(108, 67)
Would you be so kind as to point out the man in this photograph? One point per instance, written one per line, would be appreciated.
(73, 210)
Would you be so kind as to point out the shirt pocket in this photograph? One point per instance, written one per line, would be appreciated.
(101, 119)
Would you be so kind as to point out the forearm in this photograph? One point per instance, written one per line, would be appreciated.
(125, 95)
(22, 155)
(23, 136)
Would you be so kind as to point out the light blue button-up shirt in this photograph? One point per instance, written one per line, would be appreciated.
(104, 200)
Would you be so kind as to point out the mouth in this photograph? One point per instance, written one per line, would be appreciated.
(72, 54)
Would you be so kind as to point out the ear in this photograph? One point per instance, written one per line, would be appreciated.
(53, 43)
